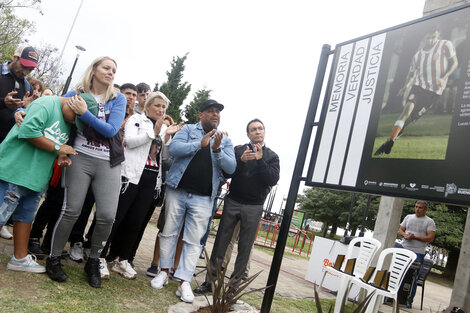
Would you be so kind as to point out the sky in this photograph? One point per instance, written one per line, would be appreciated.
(259, 58)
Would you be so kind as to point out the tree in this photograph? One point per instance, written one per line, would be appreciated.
(450, 225)
(332, 208)
(13, 29)
(191, 111)
(174, 89)
(50, 71)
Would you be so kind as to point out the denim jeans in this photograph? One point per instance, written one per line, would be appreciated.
(420, 260)
(18, 202)
(194, 211)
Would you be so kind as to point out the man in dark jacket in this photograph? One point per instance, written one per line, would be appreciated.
(15, 91)
(257, 171)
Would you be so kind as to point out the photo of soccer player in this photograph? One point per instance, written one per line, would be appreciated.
(421, 130)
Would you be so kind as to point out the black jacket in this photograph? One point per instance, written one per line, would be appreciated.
(252, 181)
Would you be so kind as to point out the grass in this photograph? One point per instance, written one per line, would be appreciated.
(427, 125)
(27, 292)
(293, 305)
(426, 138)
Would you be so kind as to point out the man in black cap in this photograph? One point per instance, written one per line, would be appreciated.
(15, 90)
(200, 155)
(257, 172)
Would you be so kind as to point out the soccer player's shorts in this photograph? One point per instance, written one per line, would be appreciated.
(423, 100)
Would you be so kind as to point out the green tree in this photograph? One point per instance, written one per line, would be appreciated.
(326, 206)
(174, 88)
(450, 224)
(13, 30)
(332, 208)
(191, 111)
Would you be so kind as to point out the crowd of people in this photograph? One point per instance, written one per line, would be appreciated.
(114, 148)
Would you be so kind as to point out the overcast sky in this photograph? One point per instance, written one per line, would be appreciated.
(258, 57)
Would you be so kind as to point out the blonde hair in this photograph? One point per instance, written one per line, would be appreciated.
(86, 83)
(153, 96)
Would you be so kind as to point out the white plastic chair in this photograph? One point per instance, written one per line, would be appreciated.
(401, 260)
(368, 249)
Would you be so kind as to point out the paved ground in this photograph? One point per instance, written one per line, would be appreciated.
(291, 282)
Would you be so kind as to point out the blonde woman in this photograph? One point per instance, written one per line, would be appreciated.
(145, 137)
(98, 163)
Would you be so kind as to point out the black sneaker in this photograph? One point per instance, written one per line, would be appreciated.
(205, 287)
(152, 271)
(54, 269)
(34, 247)
(92, 268)
(386, 147)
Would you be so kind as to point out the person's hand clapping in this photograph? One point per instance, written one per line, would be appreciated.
(207, 138)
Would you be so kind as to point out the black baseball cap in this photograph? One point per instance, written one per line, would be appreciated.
(210, 103)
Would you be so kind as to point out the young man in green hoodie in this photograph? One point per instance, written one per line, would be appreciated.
(26, 158)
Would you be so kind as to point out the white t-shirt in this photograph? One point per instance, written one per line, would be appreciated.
(89, 141)
(419, 226)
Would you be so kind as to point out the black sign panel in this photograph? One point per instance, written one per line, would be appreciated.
(396, 115)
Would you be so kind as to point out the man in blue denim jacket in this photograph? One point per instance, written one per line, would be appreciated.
(200, 155)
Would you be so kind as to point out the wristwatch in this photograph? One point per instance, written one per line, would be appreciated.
(56, 147)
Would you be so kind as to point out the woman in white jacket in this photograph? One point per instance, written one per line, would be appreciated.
(146, 139)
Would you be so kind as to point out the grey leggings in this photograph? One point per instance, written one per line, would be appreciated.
(105, 182)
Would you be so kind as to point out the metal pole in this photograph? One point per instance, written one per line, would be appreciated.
(353, 199)
(364, 217)
(69, 79)
(70, 31)
(295, 182)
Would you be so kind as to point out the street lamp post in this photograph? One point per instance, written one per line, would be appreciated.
(80, 49)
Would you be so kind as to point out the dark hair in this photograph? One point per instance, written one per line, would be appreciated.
(128, 86)
(423, 202)
(142, 87)
(117, 86)
(253, 121)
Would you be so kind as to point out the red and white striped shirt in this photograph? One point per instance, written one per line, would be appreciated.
(432, 64)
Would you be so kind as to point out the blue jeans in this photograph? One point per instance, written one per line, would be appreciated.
(18, 202)
(420, 260)
(194, 211)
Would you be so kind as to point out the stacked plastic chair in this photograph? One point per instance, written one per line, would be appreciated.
(368, 249)
(401, 260)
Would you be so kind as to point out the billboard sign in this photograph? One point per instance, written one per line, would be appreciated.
(396, 114)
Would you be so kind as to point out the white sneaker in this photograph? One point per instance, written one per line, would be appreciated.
(5, 234)
(104, 269)
(160, 280)
(185, 293)
(27, 264)
(124, 269)
(76, 252)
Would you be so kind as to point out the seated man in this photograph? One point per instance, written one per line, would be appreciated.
(26, 158)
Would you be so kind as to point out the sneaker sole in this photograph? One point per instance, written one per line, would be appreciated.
(75, 260)
(150, 274)
(123, 275)
(20, 268)
(178, 294)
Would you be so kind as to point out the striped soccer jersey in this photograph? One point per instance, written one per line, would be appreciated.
(432, 64)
